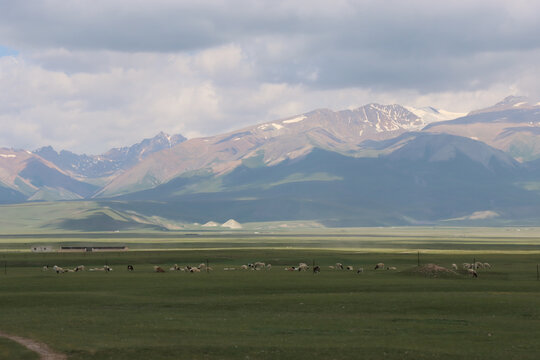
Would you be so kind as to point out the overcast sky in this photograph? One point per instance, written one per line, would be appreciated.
(90, 75)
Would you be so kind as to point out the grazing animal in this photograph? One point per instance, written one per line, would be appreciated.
(130, 267)
(194, 270)
(454, 267)
(339, 266)
(472, 272)
(317, 269)
(379, 266)
(391, 268)
(466, 266)
(350, 268)
(487, 266)
(158, 269)
(107, 268)
(79, 268)
(58, 269)
(360, 270)
(259, 265)
(331, 267)
(478, 265)
(244, 267)
(302, 267)
(268, 266)
(45, 268)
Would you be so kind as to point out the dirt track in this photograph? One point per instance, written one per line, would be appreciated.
(45, 352)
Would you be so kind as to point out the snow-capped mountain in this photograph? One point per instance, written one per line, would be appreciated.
(272, 142)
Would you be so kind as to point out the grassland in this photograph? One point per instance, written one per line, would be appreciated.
(278, 314)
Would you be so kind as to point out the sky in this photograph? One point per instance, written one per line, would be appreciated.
(87, 76)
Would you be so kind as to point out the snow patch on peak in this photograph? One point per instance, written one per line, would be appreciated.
(295, 120)
(429, 114)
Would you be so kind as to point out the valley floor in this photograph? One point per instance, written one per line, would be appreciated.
(276, 314)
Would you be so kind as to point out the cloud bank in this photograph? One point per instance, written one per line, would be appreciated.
(89, 75)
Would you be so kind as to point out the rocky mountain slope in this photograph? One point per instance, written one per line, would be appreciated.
(114, 160)
(512, 125)
(271, 143)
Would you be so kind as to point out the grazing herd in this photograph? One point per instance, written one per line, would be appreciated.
(469, 268)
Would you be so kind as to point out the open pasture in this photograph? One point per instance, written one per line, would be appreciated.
(274, 314)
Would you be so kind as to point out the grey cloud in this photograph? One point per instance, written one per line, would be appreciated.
(423, 45)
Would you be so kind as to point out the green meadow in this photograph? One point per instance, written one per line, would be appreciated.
(277, 314)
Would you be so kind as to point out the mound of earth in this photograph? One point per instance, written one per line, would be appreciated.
(232, 224)
(433, 270)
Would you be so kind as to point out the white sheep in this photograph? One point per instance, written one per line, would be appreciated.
(360, 270)
(454, 267)
(259, 265)
(339, 266)
(58, 269)
(379, 266)
(268, 266)
(472, 272)
(487, 266)
(350, 268)
(391, 268)
(79, 268)
(244, 267)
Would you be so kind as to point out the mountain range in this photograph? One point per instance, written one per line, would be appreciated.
(373, 165)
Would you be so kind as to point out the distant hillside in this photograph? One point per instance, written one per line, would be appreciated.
(30, 177)
(428, 178)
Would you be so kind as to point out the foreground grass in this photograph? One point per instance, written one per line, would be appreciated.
(275, 314)
(13, 351)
